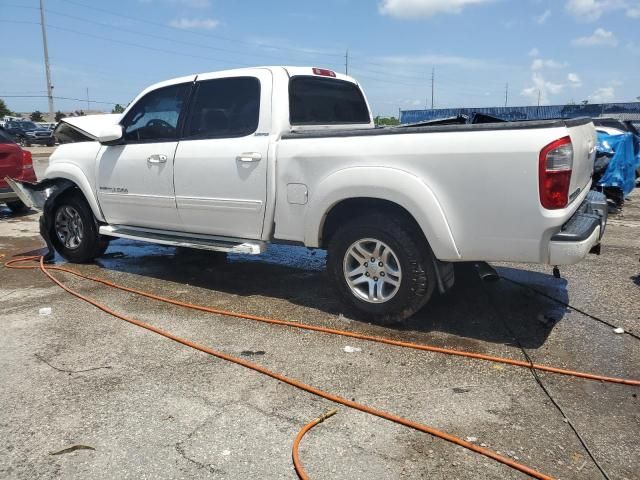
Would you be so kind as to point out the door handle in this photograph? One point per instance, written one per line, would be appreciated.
(155, 159)
(248, 157)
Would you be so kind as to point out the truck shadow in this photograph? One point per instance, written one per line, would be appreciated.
(469, 312)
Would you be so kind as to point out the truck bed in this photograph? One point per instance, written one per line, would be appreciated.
(404, 130)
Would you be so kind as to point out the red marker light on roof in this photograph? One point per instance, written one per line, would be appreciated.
(323, 72)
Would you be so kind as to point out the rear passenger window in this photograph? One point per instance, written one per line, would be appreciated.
(224, 108)
(325, 101)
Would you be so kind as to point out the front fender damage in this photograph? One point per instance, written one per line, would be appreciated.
(41, 196)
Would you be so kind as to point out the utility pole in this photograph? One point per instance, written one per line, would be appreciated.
(433, 82)
(506, 95)
(346, 62)
(539, 96)
(46, 62)
(88, 103)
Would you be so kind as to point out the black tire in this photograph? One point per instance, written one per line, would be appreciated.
(414, 257)
(24, 142)
(17, 206)
(51, 144)
(90, 244)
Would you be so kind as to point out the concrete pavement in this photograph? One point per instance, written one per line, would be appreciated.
(151, 408)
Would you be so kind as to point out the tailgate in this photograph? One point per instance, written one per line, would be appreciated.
(583, 139)
(10, 161)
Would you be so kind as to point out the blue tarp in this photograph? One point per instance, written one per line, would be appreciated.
(621, 171)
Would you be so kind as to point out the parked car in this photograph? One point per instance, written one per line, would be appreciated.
(231, 161)
(28, 133)
(15, 163)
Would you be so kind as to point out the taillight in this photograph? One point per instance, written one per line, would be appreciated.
(27, 160)
(556, 162)
(323, 72)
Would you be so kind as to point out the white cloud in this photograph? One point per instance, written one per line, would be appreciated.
(540, 63)
(574, 80)
(194, 23)
(424, 8)
(602, 94)
(543, 17)
(534, 52)
(591, 10)
(599, 37)
(541, 89)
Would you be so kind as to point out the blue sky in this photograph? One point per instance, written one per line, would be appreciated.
(558, 50)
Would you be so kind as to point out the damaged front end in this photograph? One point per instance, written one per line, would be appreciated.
(35, 195)
(41, 196)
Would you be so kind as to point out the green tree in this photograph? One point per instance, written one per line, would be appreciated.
(36, 116)
(118, 108)
(59, 116)
(386, 121)
(4, 110)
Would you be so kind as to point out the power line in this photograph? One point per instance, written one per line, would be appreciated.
(202, 34)
(58, 98)
(173, 40)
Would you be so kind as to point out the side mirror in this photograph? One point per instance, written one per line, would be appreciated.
(110, 135)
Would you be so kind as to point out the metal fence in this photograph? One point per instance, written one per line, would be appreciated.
(621, 111)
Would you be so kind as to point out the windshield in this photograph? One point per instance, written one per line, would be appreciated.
(28, 125)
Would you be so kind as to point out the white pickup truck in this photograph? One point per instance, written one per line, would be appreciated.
(231, 161)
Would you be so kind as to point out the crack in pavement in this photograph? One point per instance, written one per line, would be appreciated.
(69, 372)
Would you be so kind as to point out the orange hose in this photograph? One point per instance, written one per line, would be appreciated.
(343, 333)
(290, 381)
(296, 442)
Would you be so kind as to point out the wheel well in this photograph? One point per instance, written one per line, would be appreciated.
(355, 207)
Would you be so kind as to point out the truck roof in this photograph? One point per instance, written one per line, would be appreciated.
(291, 72)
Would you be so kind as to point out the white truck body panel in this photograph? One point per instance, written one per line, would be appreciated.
(472, 191)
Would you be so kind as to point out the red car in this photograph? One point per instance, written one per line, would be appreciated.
(15, 163)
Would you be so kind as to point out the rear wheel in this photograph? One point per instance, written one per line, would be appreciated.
(17, 206)
(24, 142)
(74, 230)
(381, 266)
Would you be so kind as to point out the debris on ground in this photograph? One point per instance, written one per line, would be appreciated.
(45, 311)
(472, 439)
(251, 353)
(350, 349)
(618, 330)
(72, 448)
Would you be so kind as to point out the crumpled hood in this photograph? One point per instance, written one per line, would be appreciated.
(90, 125)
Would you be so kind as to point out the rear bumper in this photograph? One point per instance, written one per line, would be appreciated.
(581, 233)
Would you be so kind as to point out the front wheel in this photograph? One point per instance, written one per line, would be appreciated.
(382, 266)
(24, 142)
(74, 231)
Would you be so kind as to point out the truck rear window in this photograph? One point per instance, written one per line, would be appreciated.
(325, 101)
